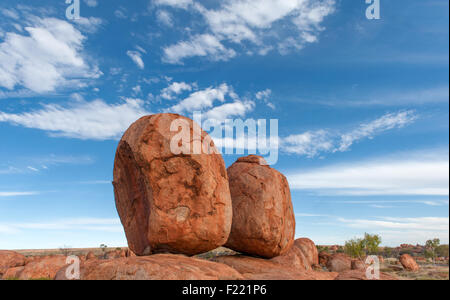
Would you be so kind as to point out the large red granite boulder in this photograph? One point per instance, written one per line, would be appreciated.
(263, 216)
(170, 195)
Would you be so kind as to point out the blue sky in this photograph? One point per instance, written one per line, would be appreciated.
(362, 107)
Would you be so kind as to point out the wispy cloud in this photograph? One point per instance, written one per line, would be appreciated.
(204, 45)
(313, 143)
(17, 194)
(95, 120)
(396, 230)
(78, 224)
(136, 57)
(383, 176)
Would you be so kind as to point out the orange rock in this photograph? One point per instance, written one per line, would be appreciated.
(177, 203)
(130, 253)
(262, 269)
(339, 263)
(361, 275)
(409, 263)
(90, 255)
(123, 253)
(263, 216)
(10, 259)
(309, 249)
(13, 273)
(358, 265)
(155, 267)
(294, 258)
(45, 268)
(324, 257)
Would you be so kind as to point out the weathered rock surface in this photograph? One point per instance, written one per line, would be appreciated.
(262, 269)
(324, 257)
(263, 216)
(309, 249)
(44, 268)
(339, 263)
(293, 258)
(13, 273)
(361, 275)
(409, 263)
(177, 203)
(10, 259)
(155, 267)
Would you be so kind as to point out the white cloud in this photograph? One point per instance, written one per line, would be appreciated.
(17, 194)
(400, 175)
(403, 230)
(265, 96)
(386, 122)
(286, 23)
(10, 13)
(88, 224)
(203, 99)
(137, 90)
(164, 17)
(48, 57)
(89, 25)
(91, 3)
(175, 88)
(84, 120)
(313, 143)
(309, 144)
(136, 57)
(228, 110)
(174, 3)
(205, 45)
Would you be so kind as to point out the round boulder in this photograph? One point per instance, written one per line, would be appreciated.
(171, 187)
(409, 263)
(10, 259)
(263, 216)
(339, 262)
(309, 249)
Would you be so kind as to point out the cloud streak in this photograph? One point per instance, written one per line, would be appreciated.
(389, 176)
(95, 120)
(313, 143)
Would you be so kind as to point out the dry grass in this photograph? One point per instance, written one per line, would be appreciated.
(427, 271)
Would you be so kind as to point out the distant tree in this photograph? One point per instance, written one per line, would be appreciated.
(442, 251)
(371, 243)
(354, 248)
(431, 246)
